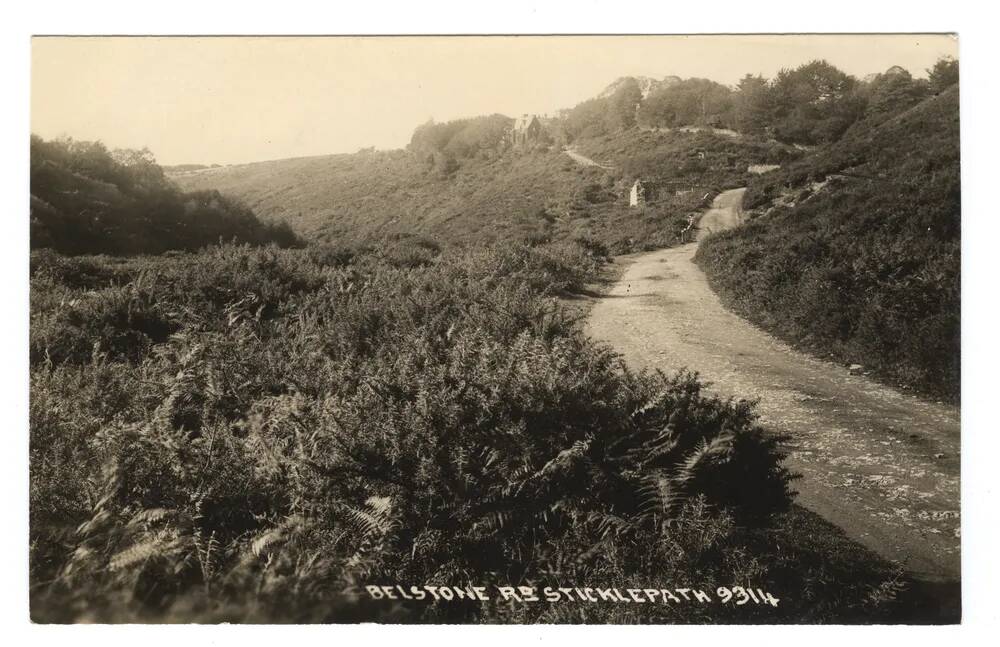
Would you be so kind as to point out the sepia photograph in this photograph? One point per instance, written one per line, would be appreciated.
(495, 329)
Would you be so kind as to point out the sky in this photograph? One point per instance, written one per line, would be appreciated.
(233, 100)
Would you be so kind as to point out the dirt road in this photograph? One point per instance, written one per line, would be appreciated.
(585, 161)
(881, 464)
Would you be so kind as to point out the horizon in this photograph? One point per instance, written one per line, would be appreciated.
(222, 100)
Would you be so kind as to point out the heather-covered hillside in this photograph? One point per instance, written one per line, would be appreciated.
(854, 251)
(534, 194)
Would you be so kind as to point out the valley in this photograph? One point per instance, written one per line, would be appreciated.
(680, 333)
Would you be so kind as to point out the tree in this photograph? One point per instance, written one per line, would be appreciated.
(943, 75)
(687, 103)
(894, 91)
(479, 136)
(814, 103)
(461, 138)
(140, 168)
(620, 113)
(751, 105)
(587, 119)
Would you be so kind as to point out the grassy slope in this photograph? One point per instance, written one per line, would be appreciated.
(369, 195)
(686, 160)
(867, 267)
(534, 195)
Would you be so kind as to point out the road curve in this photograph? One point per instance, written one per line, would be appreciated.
(880, 464)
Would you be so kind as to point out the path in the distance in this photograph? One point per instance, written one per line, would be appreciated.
(583, 160)
(880, 464)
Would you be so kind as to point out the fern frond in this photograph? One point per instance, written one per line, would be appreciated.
(376, 521)
(151, 515)
(381, 506)
(135, 554)
(608, 523)
(261, 543)
(656, 497)
(493, 521)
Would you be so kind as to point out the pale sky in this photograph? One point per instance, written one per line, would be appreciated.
(234, 100)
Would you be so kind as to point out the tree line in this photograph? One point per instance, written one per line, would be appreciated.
(812, 104)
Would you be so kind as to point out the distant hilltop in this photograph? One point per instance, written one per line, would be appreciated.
(647, 84)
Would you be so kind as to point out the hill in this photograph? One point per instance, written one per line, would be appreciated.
(536, 194)
(481, 179)
(647, 85)
(854, 251)
(86, 199)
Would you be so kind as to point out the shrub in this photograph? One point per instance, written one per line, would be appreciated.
(362, 423)
(88, 200)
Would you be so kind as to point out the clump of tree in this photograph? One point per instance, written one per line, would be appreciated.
(893, 91)
(444, 145)
(943, 75)
(86, 199)
(750, 103)
(812, 104)
(689, 102)
(817, 103)
(605, 115)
